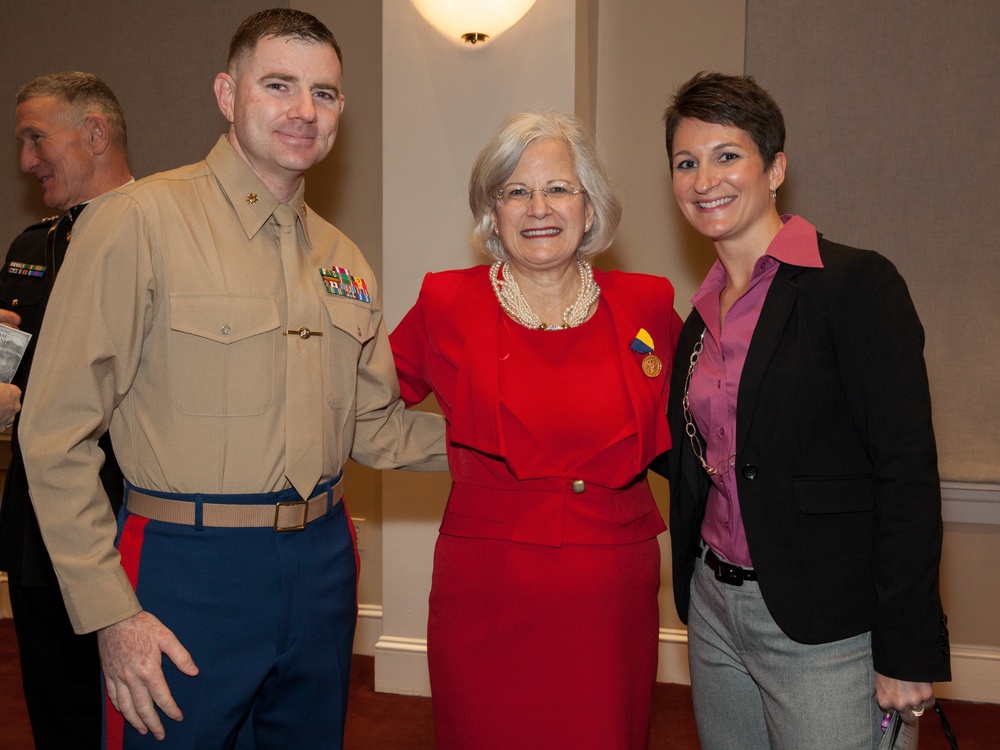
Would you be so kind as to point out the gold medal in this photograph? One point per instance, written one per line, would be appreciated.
(651, 365)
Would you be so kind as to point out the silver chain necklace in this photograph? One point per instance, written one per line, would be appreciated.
(690, 428)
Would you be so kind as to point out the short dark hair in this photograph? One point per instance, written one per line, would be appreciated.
(738, 101)
(279, 22)
(82, 91)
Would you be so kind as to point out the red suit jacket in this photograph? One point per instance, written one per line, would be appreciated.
(451, 343)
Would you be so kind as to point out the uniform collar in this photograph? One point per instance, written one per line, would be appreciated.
(248, 195)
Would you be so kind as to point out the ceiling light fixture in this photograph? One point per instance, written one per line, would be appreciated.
(472, 21)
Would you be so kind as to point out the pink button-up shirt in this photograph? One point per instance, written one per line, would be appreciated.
(716, 380)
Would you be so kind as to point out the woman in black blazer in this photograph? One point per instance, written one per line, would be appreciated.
(805, 514)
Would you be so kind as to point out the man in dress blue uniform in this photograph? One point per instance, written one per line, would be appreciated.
(73, 142)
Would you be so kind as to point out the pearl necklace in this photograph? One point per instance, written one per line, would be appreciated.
(516, 306)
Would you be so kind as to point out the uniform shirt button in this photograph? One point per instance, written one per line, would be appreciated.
(226, 330)
(579, 486)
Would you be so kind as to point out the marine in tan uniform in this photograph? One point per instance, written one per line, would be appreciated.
(226, 333)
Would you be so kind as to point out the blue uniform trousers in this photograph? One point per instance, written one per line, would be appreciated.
(267, 616)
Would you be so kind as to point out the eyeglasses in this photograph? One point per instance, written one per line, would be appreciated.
(521, 194)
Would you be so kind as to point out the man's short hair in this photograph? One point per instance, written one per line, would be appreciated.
(280, 22)
(85, 92)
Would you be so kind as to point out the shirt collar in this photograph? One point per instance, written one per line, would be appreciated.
(796, 244)
(249, 196)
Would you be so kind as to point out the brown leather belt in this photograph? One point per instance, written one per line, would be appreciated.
(292, 515)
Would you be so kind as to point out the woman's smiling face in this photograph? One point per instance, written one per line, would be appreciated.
(543, 235)
(720, 181)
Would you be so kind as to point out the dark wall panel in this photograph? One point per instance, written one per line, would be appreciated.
(159, 58)
(892, 112)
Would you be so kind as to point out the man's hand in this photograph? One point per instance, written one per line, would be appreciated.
(130, 657)
(10, 403)
(9, 318)
(10, 395)
(909, 699)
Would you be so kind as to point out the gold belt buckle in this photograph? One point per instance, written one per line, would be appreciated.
(291, 504)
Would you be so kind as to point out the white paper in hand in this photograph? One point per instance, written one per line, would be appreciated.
(12, 345)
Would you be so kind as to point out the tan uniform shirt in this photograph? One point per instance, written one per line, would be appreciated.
(166, 324)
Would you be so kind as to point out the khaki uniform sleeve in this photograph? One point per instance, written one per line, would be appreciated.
(88, 353)
(387, 435)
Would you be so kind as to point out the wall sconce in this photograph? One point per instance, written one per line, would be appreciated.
(472, 20)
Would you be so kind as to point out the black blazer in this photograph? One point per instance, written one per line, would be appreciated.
(836, 464)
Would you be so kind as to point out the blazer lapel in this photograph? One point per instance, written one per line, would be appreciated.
(477, 392)
(778, 306)
(640, 394)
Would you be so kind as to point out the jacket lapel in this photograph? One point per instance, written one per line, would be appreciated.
(640, 394)
(778, 306)
(477, 391)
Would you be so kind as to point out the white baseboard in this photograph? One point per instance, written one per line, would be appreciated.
(965, 502)
(401, 667)
(975, 675)
(369, 629)
(673, 653)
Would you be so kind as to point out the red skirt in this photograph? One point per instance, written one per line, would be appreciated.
(540, 647)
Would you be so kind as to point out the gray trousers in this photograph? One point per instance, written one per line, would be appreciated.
(756, 689)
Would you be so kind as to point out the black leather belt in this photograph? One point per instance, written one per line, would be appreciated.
(725, 572)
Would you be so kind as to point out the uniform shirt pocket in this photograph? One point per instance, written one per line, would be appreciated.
(222, 354)
(351, 318)
(351, 328)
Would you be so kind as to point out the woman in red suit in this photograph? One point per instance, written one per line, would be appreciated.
(552, 377)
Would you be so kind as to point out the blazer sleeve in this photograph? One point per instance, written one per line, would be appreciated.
(878, 340)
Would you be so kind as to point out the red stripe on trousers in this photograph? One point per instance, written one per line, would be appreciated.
(130, 549)
(354, 541)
